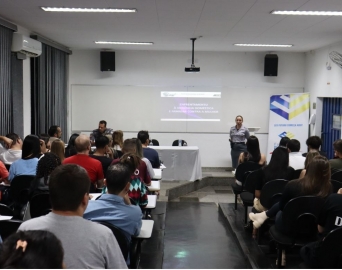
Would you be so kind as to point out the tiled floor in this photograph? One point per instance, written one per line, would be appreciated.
(216, 194)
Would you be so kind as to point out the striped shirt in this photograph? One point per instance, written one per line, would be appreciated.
(240, 135)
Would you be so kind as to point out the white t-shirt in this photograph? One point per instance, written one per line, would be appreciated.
(8, 156)
(296, 160)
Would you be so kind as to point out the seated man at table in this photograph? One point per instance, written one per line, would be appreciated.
(102, 130)
(86, 244)
(115, 207)
(149, 153)
(91, 165)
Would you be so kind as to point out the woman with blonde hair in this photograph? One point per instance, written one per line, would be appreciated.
(58, 148)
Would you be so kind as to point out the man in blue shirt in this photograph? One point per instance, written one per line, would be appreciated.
(115, 207)
(149, 153)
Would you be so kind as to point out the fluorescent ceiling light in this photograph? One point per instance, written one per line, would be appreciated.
(124, 43)
(65, 9)
(310, 13)
(264, 45)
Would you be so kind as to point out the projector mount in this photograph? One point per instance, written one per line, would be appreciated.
(193, 69)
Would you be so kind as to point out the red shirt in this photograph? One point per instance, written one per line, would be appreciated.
(91, 165)
(3, 171)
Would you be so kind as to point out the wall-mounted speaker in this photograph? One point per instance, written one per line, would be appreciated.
(107, 61)
(271, 65)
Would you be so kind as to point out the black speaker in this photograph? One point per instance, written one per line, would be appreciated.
(107, 61)
(271, 65)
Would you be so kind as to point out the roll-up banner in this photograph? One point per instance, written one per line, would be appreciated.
(289, 116)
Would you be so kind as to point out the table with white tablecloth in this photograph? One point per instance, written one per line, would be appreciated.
(182, 162)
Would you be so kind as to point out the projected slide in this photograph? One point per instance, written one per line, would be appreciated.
(190, 106)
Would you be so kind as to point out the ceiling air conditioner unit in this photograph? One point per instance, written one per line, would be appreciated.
(26, 45)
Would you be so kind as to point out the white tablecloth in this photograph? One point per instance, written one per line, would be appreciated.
(182, 162)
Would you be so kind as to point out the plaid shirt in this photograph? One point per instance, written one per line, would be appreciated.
(96, 133)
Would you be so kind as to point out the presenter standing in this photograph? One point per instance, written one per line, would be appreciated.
(238, 136)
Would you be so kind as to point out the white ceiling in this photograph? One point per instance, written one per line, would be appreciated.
(171, 23)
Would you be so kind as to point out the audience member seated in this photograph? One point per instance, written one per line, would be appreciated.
(32, 250)
(14, 145)
(315, 183)
(27, 165)
(309, 157)
(130, 146)
(58, 148)
(149, 153)
(283, 142)
(91, 165)
(336, 163)
(86, 244)
(277, 169)
(137, 190)
(329, 219)
(45, 144)
(45, 167)
(115, 207)
(70, 150)
(253, 152)
(102, 130)
(314, 144)
(117, 143)
(102, 150)
(140, 154)
(111, 152)
(55, 132)
(3, 173)
(296, 158)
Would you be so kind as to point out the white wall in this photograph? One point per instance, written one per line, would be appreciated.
(241, 70)
(321, 82)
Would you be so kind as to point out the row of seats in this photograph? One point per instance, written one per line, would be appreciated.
(299, 215)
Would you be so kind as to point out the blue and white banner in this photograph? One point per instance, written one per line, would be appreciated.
(289, 116)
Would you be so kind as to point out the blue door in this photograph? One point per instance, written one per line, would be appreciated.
(331, 106)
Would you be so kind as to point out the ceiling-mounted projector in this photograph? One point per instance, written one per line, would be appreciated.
(192, 69)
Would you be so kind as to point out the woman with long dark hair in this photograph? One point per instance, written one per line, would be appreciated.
(253, 152)
(278, 168)
(29, 158)
(70, 150)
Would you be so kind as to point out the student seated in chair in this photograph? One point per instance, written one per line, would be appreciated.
(86, 244)
(115, 206)
(329, 219)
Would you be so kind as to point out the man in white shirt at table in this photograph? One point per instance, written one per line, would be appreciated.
(86, 244)
(149, 153)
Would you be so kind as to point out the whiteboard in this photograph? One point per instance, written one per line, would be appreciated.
(134, 108)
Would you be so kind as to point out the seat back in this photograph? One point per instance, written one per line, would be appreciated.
(20, 188)
(120, 237)
(244, 167)
(336, 185)
(271, 192)
(155, 142)
(175, 143)
(40, 205)
(7, 227)
(300, 216)
(337, 176)
(249, 184)
(297, 173)
(330, 251)
(5, 210)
